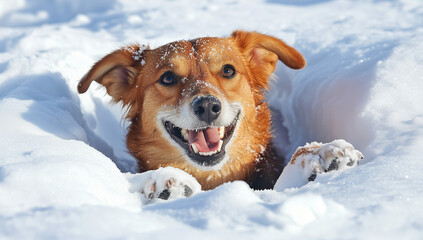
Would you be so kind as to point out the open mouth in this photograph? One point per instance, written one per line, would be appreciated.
(205, 146)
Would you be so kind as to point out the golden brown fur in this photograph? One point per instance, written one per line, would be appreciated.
(131, 75)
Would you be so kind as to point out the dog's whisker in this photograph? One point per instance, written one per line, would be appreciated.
(177, 157)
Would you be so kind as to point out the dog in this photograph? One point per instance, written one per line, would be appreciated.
(199, 106)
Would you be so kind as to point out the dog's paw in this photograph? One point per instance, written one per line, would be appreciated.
(166, 183)
(338, 154)
(315, 158)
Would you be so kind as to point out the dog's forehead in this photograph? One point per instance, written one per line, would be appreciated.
(208, 50)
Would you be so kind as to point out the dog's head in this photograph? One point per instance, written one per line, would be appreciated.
(196, 105)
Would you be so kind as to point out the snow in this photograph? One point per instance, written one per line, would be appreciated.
(64, 169)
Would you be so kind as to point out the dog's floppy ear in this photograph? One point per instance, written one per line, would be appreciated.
(263, 51)
(116, 72)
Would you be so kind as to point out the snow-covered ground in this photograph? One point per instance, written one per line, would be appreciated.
(62, 154)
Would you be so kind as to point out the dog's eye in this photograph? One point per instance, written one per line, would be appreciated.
(168, 79)
(228, 71)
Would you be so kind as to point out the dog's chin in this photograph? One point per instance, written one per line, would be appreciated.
(214, 157)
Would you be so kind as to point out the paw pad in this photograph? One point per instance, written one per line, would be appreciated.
(165, 194)
(334, 165)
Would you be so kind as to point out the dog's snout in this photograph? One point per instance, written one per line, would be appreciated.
(206, 108)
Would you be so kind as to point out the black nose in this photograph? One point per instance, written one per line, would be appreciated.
(206, 108)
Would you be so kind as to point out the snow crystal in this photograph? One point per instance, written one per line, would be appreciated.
(137, 55)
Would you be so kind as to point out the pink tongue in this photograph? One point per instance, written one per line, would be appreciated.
(206, 140)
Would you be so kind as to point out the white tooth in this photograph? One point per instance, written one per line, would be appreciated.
(221, 132)
(194, 148)
(184, 133)
(220, 146)
(207, 153)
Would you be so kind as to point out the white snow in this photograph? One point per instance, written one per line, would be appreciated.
(64, 169)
